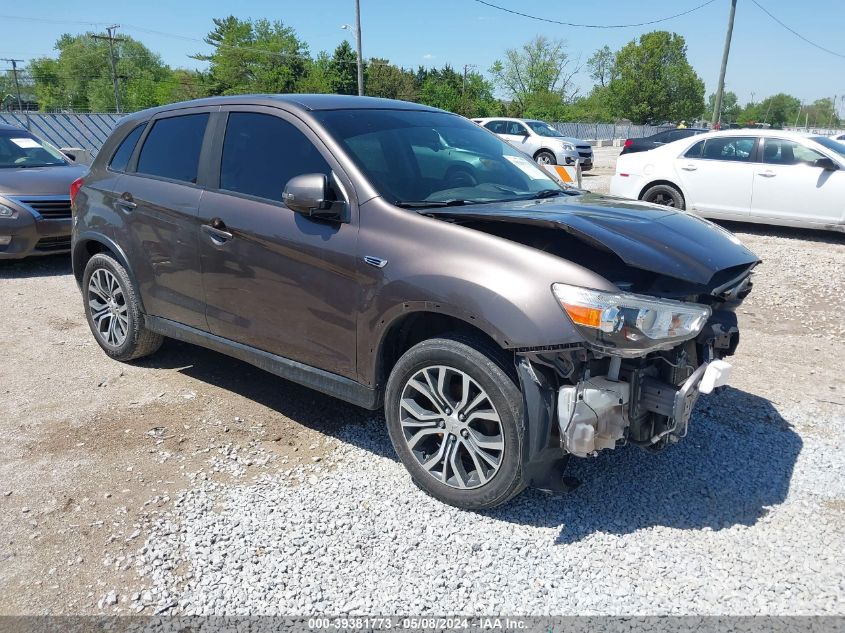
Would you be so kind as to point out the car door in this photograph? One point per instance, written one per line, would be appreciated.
(274, 279)
(518, 135)
(158, 199)
(790, 188)
(716, 176)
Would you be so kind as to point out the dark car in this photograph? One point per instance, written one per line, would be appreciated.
(633, 145)
(35, 180)
(503, 322)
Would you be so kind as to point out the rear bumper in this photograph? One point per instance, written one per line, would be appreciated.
(25, 235)
(625, 186)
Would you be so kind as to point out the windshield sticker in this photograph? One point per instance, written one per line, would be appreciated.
(26, 143)
(529, 168)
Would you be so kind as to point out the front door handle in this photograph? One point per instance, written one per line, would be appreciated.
(217, 231)
(767, 174)
(689, 167)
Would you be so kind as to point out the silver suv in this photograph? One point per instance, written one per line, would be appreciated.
(542, 141)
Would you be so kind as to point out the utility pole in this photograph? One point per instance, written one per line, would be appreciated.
(112, 39)
(14, 63)
(358, 46)
(717, 109)
(464, 87)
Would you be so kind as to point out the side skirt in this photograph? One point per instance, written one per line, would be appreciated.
(306, 375)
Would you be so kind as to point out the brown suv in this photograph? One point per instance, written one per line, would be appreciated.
(396, 255)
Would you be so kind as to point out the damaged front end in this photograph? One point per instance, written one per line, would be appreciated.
(634, 380)
(647, 349)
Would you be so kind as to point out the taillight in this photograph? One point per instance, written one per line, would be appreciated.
(75, 186)
(629, 142)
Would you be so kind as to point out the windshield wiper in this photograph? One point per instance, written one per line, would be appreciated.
(548, 193)
(422, 204)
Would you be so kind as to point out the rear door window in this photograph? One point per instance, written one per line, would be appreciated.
(172, 148)
(262, 152)
(732, 148)
(121, 157)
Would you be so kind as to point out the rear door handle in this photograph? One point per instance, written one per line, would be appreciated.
(689, 167)
(126, 202)
(767, 174)
(217, 232)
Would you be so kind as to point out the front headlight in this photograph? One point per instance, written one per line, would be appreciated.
(568, 147)
(6, 212)
(627, 324)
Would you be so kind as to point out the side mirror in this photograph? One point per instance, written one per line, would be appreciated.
(311, 196)
(827, 164)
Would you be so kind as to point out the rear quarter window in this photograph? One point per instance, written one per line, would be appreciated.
(121, 156)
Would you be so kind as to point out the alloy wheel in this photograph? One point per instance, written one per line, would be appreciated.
(451, 426)
(665, 199)
(107, 304)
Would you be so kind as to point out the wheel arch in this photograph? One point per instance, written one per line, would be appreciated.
(414, 326)
(88, 244)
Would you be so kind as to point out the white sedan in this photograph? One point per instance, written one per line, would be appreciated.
(766, 176)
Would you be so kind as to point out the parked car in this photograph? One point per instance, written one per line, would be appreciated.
(839, 137)
(767, 176)
(505, 323)
(35, 180)
(541, 141)
(634, 145)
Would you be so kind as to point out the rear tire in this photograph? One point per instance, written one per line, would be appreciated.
(664, 195)
(455, 418)
(114, 312)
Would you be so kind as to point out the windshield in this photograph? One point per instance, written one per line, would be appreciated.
(424, 159)
(829, 143)
(543, 129)
(22, 149)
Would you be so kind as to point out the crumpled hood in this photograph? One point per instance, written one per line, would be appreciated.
(657, 239)
(39, 181)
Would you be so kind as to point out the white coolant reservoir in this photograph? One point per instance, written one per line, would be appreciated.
(717, 374)
(596, 420)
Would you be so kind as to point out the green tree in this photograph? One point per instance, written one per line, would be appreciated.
(318, 76)
(446, 88)
(80, 78)
(389, 81)
(254, 56)
(344, 70)
(538, 70)
(183, 85)
(653, 81)
(600, 66)
(777, 110)
(731, 109)
(594, 108)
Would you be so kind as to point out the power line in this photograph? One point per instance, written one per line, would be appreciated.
(593, 26)
(796, 33)
(112, 39)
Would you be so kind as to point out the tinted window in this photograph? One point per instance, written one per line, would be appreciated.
(172, 148)
(695, 151)
(262, 152)
(497, 127)
(516, 129)
(778, 151)
(124, 151)
(733, 148)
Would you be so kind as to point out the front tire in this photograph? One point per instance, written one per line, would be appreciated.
(455, 418)
(545, 157)
(665, 195)
(114, 312)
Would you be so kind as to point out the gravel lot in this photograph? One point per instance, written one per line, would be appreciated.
(192, 483)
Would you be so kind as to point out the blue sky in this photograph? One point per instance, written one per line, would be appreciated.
(765, 58)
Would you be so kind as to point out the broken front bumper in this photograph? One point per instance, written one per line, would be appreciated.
(578, 402)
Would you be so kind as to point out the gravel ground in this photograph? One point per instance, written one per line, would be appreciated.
(192, 483)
